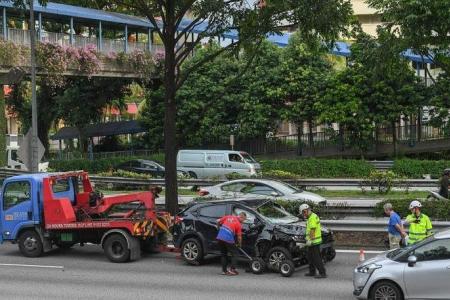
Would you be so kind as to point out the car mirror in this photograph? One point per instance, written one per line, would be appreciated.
(412, 260)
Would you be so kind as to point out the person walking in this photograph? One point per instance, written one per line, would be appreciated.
(419, 224)
(313, 241)
(228, 237)
(395, 227)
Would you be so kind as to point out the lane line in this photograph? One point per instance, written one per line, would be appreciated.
(33, 266)
(357, 251)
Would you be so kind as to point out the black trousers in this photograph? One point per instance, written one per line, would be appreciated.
(315, 260)
(228, 255)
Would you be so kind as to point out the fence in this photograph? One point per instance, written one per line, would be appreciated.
(22, 37)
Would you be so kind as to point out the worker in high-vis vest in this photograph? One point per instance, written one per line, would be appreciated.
(419, 223)
(313, 241)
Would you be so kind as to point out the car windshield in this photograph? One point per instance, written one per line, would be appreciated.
(248, 158)
(401, 251)
(290, 188)
(276, 214)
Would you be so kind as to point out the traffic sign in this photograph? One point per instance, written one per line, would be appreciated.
(25, 151)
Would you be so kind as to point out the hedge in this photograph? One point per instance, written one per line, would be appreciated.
(435, 209)
(413, 168)
(95, 166)
(319, 168)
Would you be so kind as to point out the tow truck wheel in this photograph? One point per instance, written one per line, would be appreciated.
(116, 248)
(287, 268)
(276, 256)
(258, 265)
(192, 251)
(30, 244)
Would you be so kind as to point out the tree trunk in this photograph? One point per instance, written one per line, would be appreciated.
(299, 138)
(311, 137)
(419, 124)
(170, 115)
(394, 138)
(3, 129)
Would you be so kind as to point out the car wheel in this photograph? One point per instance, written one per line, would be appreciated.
(192, 251)
(192, 175)
(258, 266)
(287, 268)
(328, 254)
(116, 248)
(385, 290)
(276, 256)
(30, 244)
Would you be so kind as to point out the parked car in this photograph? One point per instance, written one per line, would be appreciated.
(420, 271)
(242, 188)
(269, 232)
(216, 163)
(144, 166)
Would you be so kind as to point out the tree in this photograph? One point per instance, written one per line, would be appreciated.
(214, 103)
(217, 17)
(421, 25)
(306, 71)
(3, 132)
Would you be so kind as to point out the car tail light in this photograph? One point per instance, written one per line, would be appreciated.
(178, 220)
(203, 192)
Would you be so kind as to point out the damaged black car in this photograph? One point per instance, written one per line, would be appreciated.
(269, 232)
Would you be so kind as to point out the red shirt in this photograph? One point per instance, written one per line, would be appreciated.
(232, 223)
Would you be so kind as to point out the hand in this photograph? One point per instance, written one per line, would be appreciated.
(308, 243)
(403, 234)
(406, 239)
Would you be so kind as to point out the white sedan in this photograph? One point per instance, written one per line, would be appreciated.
(243, 188)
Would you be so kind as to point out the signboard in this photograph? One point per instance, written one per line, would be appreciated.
(24, 151)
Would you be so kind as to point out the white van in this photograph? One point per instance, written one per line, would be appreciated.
(216, 163)
(15, 163)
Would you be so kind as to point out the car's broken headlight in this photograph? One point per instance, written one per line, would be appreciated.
(298, 238)
(368, 268)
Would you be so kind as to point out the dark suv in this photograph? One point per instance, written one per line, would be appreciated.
(270, 232)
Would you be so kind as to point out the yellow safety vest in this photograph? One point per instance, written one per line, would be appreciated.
(313, 222)
(419, 227)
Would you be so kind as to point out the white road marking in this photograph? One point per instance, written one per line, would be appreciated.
(32, 266)
(357, 251)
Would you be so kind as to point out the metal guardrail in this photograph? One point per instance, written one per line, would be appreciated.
(320, 182)
(370, 225)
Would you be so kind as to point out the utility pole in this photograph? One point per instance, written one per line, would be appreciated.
(34, 122)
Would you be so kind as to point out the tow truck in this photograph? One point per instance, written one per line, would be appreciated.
(42, 211)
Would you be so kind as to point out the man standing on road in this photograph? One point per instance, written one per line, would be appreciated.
(419, 223)
(230, 235)
(313, 241)
(395, 227)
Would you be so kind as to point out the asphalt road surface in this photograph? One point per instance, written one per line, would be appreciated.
(85, 273)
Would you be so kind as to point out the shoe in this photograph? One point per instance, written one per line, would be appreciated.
(228, 273)
(320, 276)
(310, 275)
(233, 272)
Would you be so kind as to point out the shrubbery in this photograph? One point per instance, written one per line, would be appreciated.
(413, 168)
(319, 168)
(435, 209)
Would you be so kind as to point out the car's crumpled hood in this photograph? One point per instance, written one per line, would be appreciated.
(297, 228)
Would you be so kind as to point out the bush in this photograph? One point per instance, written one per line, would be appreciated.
(435, 209)
(319, 168)
(94, 166)
(280, 174)
(413, 168)
(381, 180)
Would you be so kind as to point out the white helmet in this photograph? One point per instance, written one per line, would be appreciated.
(303, 207)
(414, 204)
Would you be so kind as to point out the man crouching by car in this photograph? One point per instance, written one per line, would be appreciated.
(230, 236)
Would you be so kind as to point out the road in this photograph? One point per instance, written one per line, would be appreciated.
(88, 275)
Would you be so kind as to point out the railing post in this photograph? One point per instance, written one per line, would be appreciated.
(150, 40)
(100, 40)
(5, 25)
(126, 38)
(40, 27)
(71, 31)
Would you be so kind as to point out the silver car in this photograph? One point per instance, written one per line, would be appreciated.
(420, 271)
(243, 188)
